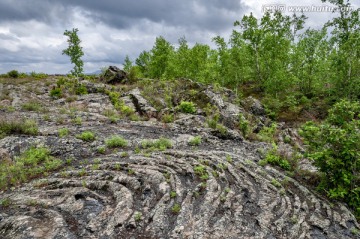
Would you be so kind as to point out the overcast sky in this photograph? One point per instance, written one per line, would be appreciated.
(31, 31)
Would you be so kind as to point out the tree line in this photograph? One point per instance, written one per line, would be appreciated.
(275, 54)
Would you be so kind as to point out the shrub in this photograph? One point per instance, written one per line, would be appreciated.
(243, 125)
(267, 134)
(273, 158)
(137, 216)
(86, 136)
(32, 106)
(187, 107)
(80, 90)
(116, 141)
(63, 132)
(13, 74)
(32, 163)
(176, 208)
(56, 92)
(38, 76)
(167, 118)
(173, 194)
(195, 141)
(77, 121)
(160, 144)
(20, 126)
(334, 146)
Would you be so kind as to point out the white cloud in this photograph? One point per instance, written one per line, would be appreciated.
(30, 41)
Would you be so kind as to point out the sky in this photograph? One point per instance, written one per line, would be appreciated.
(31, 31)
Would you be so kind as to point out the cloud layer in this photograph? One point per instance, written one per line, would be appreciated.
(31, 31)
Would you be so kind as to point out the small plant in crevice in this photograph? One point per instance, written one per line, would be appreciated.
(195, 141)
(131, 171)
(77, 121)
(32, 163)
(173, 194)
(167, 118)
(229, 158)
(137, 216)
(187, 107)
(176, 208)
(63, 132)
(32, 106)
(18, 126)
(5, 202)
(101, 150)
(272, 157)
(267, 134)
(156, 145)
(116, 141)
(244, 125)
(201, 171)
(276, 183)
(56, 93)
(87, 136)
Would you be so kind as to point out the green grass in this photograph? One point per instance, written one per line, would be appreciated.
(17, 126)
(87, 136)
(33, 163)
(167, 118)
(156, 145)
(116, 141)
(32, 106)
(137, 216)
(176, 208)
(173, 194)
(56, 93)
(63, 132)
(201, 171)
(187, 107)
(195, 141)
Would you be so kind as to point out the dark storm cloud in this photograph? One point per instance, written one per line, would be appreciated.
(194, 14)
(23, 10)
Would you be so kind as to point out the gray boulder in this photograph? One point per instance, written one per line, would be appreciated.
(114, 75)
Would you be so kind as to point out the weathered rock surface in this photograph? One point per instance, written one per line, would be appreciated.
(159, 194)
(114, 75)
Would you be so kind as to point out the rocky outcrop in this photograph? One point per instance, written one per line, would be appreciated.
(142, 105)
(212, 189)
(114, 75)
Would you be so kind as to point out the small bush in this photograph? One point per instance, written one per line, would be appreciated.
(77, 121)
(56, 92)
(126, 110)
(137, 216)
(32, 163)
(81, 90)
(115, 142)
(38, 76)
(243, 125)
(32, 106)
(334, 145)
(21, 126)
(13, 74)
(86, 136)
(267, 134)
(273, 158)
(173, 194)
(160, 144)
(187, 107)
(63, 132)
(167, 118)
(195, 141)
(101, 150)
(176, 208)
